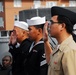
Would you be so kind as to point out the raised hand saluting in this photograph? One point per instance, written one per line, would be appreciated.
(13, 38)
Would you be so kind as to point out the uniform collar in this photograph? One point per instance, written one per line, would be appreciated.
(33, 45)
(63, 44)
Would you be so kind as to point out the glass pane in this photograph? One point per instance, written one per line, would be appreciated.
(3, 33)
(1, 22)
(17, 3)
(1, 7)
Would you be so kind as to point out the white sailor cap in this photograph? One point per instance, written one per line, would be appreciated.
(21, 24)
(36, 21)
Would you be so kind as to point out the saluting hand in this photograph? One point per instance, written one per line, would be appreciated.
(45, 32)
(13, 38)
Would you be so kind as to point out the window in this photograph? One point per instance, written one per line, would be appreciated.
(17, 3)
(51, 3)
(3, 33)
(72, 3)
(1, 22)
(37, 4)
(1, 7)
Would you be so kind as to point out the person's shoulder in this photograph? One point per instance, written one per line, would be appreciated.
(0, 67)
(70, 47)
(28, 40)
(40, 47)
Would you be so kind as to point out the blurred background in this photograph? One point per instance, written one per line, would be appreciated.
(12, 10)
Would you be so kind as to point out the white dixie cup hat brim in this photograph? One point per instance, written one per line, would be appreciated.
(36, 21)
(21, 24)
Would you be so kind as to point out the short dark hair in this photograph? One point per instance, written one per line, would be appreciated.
(39, 26)
(66, 20)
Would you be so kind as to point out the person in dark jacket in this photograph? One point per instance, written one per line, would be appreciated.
(6, 68)
(37, 63)
(19, 47)
(0, 66)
